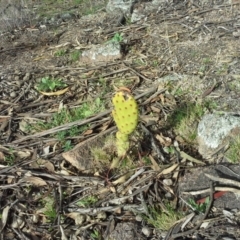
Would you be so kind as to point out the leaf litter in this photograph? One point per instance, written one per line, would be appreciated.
(54, 194)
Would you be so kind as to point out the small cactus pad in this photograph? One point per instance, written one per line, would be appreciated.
(125, 112)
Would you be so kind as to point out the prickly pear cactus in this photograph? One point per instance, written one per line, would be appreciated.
(125, 114)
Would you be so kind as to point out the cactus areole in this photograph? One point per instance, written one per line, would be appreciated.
(125, 115)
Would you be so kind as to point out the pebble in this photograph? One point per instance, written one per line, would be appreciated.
(168, 195)
(146, 231)
(101, 215)
(13, 94)
(168, 182)
(35, 218)
(73, 88)
(18, 83)
(138, 218)
(16, 78)
(27, 77)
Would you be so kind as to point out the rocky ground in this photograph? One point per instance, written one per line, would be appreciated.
(61, 63)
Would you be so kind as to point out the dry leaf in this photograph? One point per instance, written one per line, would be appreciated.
(5, 216)
(154, 166)
(46, 164)
(36, 181)
(166, 141)
(88, 132)
(114, 163)
(168, 170)
(57, 93)
(113, 189)
(10, 180)
(64, 237)
(162, 98)
(155, 109)
(46, 150)
(149, 120)
(122, 179)
(4, 123)
(23, 154)
(77, 217)
(1, 156)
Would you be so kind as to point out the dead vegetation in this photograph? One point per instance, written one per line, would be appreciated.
(56, 150)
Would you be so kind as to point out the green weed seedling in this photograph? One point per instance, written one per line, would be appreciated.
(95, 235)
(185, 120)
(117, 38)
(48, 84)
(87, 201)
(74, 56)
(66, 116)
(60, 52)
(233, 153)
(164, 220)
(200, 208)
(49, 210)
(10, 158)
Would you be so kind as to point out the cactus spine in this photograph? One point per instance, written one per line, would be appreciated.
(125, 115)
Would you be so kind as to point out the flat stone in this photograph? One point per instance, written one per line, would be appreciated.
(124, 6)
(124, 230)
(102, 53)
(195, 180)
(214, 130)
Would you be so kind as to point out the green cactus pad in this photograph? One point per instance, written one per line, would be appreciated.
(125, 112)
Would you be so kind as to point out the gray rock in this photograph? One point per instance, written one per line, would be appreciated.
(26, 77)
(196, 180)
(67, 16)
(137, 16)
(102, 53)
(214, 129)
(124, 230)
(124, 6)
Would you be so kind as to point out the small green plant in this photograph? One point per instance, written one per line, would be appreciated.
(10, 158)
(48, 84)
(60, 52)
(74, 56)
(169, 150)
(205, 65)
(185, 120)
(87, 201)
(67, 145)
(164, 220)
(200, 208)
(233, 153)
(49, 211)
(146, 160)
(67, 116)
(51, 214)
(155, 63)
(95, 234)
(223, 69)
(117, 38)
